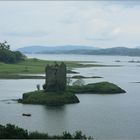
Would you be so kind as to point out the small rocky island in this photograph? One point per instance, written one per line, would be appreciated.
(55, 89)
(56, 92)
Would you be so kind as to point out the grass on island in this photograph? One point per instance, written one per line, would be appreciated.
(97, 88)
(84, 77)
(57, 99)
(49, 98)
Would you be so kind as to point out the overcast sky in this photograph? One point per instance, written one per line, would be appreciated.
(50, 23)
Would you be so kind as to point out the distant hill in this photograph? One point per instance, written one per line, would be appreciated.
(117, 51)
(54, 49)
(138, 47)
(71, 49)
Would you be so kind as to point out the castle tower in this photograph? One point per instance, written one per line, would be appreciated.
(55, 78)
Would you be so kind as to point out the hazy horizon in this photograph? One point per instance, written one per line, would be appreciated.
(102, 24)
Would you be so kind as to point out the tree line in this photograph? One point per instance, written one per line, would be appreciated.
(13, 132)
(8, 56)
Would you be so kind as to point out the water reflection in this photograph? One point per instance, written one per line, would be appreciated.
(56, 115)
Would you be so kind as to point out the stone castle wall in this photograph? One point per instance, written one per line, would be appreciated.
(55, 77)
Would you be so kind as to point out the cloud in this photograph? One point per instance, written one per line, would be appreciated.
(26, 34)
(100, 23)
(99, 39)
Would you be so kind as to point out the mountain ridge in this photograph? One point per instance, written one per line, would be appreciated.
(71, 49)
(41, 49)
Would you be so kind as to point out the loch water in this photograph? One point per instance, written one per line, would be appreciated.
(101, 116)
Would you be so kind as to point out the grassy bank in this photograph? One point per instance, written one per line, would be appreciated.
(18, 76)
(97, 88)
(47, 98)
(36, 66)
(29, 66)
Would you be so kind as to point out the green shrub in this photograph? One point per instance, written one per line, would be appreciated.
(13, 132)
(8, 56)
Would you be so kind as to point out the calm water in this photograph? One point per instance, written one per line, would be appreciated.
(102, 116)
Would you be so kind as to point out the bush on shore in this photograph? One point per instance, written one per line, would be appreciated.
(8, 56)
(14, 132)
